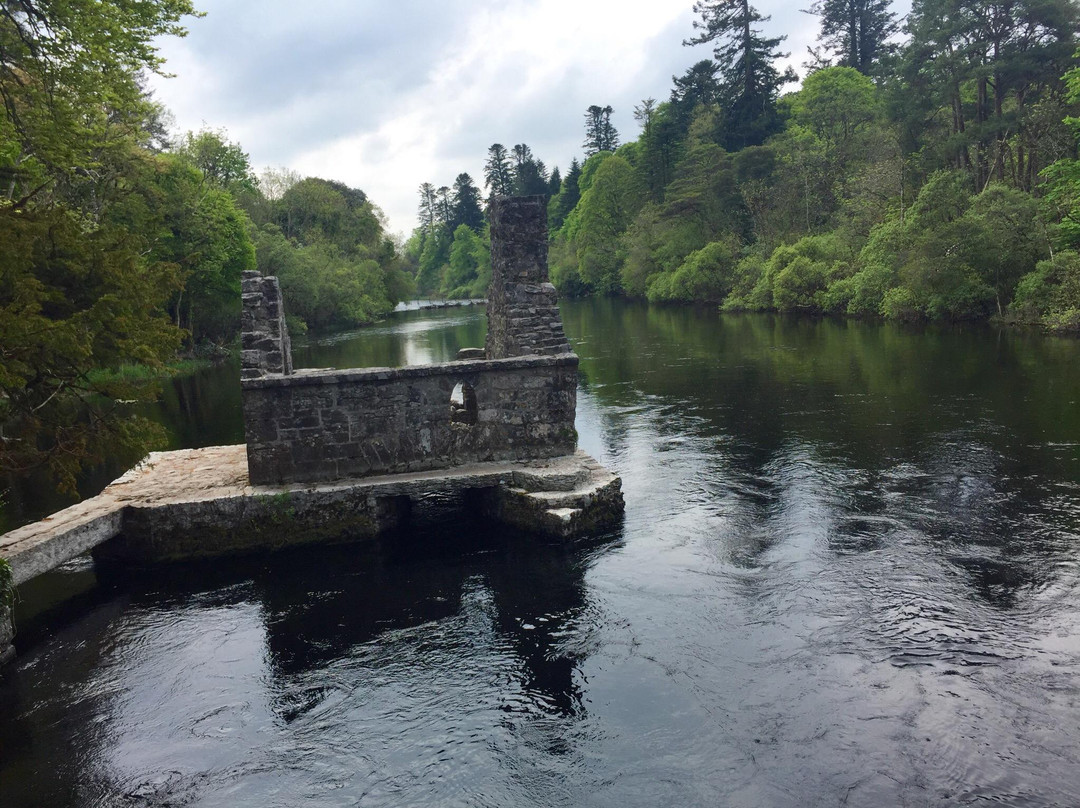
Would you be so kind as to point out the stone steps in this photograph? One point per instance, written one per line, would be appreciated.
(563, 504)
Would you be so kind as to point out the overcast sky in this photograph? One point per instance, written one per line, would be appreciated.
(386, 95)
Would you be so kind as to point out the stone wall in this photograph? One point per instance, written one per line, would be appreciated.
(264, 337)
(7, 634)
(523, 308)
(328, 425)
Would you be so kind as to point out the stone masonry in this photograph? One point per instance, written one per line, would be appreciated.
(338, 455)
(334, 424)
(523, 308)
(518, 403)
(264, 338)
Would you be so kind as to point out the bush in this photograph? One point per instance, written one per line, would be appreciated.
(1050, 296)
(706, 275)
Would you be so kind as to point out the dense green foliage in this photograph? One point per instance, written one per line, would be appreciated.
(327, 245)
(932, 179)
(120, 249)
(79, 286)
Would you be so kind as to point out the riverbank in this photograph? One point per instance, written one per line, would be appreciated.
(1065, 324)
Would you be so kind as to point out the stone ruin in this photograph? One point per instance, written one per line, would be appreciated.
(515, 402)
(264, 337)
(341, 455)
(523, 308)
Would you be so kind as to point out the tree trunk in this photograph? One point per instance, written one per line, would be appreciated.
(999, 103)
(853, 36)
(748, 79)
(981, 145)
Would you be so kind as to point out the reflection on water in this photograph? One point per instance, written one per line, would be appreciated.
(849, 574)
(409, 338)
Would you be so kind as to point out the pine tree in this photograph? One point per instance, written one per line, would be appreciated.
(498, 173)
(466, 207)
(568, 197)
(750, 82)
(554, 182)
(427, 211)
(855, 30)
(444, 207)
(698, 85)
(530, 175)
(987, 63)
(600, 134)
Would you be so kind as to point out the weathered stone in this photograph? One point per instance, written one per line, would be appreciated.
(378, 414)
(264, 337)
(335, 455)
(519, 287)
(7, 634)
(200, 502)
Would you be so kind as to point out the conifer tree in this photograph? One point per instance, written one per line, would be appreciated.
(750, 82)
(466, 207)
(444, 207)
(530, 175)
(427, 210)
(554, 182)
(498, 172)
(568, 197)
(855, 30)
(600, 133)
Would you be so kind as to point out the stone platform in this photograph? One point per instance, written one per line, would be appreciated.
(197, 503)
(341, 455)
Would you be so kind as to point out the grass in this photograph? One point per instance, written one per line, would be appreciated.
(136, 372)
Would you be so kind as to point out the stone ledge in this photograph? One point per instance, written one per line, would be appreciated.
(332, 376)
(160, 506)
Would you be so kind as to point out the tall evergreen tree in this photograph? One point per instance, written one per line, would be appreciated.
(530, 176)
(986, 63)
(522, 155)
(554, 182)
(751, 83)
(855, 30)
(698, 85)
(428, 207)
(498, 171)
(600, 133)
(444, 207)
(568, 197)
(466, 208)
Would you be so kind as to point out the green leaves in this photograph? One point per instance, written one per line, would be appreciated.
(73, 300)
(65, 65)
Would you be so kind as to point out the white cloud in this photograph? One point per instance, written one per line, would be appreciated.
(387, 97)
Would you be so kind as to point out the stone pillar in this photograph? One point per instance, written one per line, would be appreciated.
(264, 337)
(523, 308)
(7, 633)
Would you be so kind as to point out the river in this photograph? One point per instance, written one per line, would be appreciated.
(849, 574)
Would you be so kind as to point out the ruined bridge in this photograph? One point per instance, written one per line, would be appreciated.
(340, 455)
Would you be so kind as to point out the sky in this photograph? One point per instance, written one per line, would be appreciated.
(385, 96)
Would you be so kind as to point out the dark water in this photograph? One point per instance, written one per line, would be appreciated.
(849, 574)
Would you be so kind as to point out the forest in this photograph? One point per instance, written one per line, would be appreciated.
(925, 169)
(123, 245)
